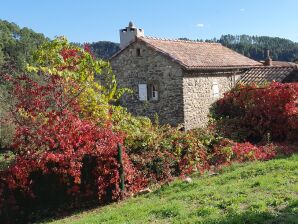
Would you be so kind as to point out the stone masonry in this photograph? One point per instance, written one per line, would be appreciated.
(150, 66)
(197, 96)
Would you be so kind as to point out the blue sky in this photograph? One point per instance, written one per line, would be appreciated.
(91, 20)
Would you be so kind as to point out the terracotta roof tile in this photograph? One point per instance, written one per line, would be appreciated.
(192, 54)
(262, 75)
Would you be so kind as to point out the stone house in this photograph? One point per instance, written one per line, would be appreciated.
(177, 80)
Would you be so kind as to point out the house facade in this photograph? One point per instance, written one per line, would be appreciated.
(176, 80)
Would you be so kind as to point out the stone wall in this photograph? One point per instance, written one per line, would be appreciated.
(150, 66)
(198, 96)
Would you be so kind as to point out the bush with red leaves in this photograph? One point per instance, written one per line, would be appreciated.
(60, 157)
(226, 152)
(253, 113)
(248, 152)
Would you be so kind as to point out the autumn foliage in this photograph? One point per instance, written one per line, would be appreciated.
(74, 155)
(67, 134)
(250, 112)
(65, 147)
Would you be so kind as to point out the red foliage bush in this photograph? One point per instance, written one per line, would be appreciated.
(227, 151)
(55, 147)
(250, 112)
(59, 147)
(248, 152)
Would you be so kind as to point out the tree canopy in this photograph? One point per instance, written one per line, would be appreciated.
(17, 46)
(255, 46)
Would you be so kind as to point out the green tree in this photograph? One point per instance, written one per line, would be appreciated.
(97, 83)
(17, 46)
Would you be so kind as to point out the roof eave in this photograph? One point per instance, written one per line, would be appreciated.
(215, 68)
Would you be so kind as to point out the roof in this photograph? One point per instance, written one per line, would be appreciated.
(282, 63)
(196, 55)
(261, 75)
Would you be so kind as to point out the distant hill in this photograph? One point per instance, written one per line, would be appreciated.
(255, 46)
(104, 49)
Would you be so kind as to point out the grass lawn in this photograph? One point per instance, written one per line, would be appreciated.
(258, 192)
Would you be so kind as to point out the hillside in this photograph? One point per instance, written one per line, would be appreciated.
(258, 192)
(104, 49)
(17, 46)
(255, 46)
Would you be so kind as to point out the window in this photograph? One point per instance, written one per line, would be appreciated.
(215, 89)
(233, 80)
(148, 92)
(138, 52)
(152, 92)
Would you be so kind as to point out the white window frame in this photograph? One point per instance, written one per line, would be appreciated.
(215, 89)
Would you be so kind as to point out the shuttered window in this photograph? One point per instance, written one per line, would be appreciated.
(215, 89)
(142, 92)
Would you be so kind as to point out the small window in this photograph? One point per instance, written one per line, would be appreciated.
(152, 92)
(215, 89)
(148, 92)
(138, 52)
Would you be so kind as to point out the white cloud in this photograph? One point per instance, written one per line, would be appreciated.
(242, 10)
(201, 25)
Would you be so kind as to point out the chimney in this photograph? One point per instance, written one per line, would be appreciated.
(268, 61)
(129, 34)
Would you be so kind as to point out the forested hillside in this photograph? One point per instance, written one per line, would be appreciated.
(17, 45)
(104, 49)
(255, 46)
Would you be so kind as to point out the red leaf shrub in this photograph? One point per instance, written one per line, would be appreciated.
(249, 112)
(248, 152)
(226, 151)
(58, 153)
(81, 156)
(60, 145)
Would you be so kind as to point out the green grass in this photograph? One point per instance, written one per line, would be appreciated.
(258, 192)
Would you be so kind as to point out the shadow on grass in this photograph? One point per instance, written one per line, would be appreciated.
(288, 215)
(43, 215)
